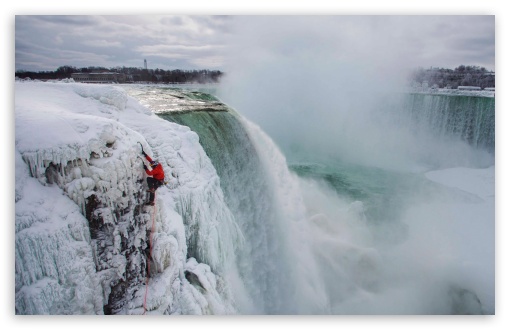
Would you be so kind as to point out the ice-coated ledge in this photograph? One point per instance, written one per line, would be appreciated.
(174, 99)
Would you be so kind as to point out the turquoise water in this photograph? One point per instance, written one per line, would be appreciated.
(382, 192)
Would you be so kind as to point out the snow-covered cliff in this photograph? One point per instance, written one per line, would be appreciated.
(83, 235)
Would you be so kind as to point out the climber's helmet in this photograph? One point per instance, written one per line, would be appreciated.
(154, 163)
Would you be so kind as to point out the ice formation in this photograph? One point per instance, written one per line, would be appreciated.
(82, 231)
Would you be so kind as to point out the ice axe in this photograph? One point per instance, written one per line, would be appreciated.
(143, 152)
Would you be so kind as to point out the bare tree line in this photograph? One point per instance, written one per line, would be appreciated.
(453, 78)
(132, 74)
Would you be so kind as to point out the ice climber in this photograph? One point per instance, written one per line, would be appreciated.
(156, 177)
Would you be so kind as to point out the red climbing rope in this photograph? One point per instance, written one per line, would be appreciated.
(149, 259)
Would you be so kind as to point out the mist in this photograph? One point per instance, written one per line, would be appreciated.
(435, 255)
(332, 85)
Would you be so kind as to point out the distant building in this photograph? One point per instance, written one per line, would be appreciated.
(99, 78)
(492, 89)
(469, 88)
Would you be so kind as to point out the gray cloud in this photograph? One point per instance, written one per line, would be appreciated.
(392, 41)
(189, 42)
(167, 42)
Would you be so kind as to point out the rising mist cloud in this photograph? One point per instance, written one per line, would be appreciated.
(320, 82)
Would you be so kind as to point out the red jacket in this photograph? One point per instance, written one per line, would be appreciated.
(157, 172)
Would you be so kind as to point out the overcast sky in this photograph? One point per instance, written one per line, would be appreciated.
(167, 42)
(211, 42)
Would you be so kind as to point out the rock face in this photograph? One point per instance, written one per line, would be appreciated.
(83, 233)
